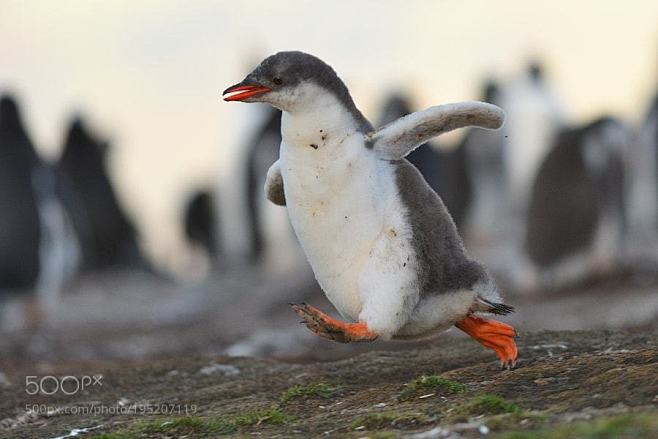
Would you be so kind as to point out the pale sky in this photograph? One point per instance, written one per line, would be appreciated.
(149, 73)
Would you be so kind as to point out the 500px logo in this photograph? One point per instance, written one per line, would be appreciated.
(68, 385)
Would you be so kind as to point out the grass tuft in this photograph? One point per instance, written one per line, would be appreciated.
(383, 435)
(486, 404)
(431, 383)
(199, 427)
(490, 405)
(270, 416)
(186, 426)
(627, 426)
(379, 420)
(317, 389)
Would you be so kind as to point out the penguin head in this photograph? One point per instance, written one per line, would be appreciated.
(490, 91)
(396, 106)
(536, 71)
(288, 81)
(82, 145)
(9, 114)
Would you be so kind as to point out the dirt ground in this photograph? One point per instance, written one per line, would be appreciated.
(578, 384)
(229, 357)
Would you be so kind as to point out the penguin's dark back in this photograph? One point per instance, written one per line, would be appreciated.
(446, 172)
(443, 264)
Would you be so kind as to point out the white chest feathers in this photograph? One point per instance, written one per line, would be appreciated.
(344, 206)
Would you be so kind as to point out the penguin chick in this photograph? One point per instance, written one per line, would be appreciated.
(380, 241)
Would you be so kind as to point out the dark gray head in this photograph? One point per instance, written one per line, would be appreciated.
(490, 91)
(396, 106)
(291, 82)
(536, 71)
(81, 144)
(9, 115)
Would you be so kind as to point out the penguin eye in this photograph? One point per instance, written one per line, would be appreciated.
(277, 80)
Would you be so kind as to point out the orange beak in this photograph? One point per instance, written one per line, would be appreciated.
(243, 92)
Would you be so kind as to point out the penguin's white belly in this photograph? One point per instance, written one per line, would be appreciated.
(337, 205)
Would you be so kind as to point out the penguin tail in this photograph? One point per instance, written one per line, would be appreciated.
(494, 308)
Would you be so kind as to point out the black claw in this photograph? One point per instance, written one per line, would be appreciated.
(507, 365)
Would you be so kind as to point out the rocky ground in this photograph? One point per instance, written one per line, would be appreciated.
(591, 384)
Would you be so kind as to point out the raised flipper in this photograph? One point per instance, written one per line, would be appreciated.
(400, 137)
(274, 185)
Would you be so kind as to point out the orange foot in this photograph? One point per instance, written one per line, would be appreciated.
(330, 328)
(494, 335)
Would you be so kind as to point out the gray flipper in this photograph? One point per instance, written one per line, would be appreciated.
(399, 138)
(274, 185)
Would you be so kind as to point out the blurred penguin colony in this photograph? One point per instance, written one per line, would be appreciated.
(543, 202)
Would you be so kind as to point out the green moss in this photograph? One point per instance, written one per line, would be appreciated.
(185, 426)
(118, 435)
(199, 427)
(318, 389)
(431, 383)
(270, 416)
(509, 421)
(486, 405)
(376, 421)
(383, 435)
(628, 426)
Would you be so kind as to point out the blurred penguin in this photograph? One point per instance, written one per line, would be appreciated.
(643, 180)
(273, 243)
(60, 253)
(485, 159)
(38, 249)
(107, 237)
(576, 218)
(234, 229)
(534, 117)
(200, 223)
(253, 232)
(445, 170)
(20, 230)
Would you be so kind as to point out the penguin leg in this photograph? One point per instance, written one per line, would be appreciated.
(331, 329)
(494, 335)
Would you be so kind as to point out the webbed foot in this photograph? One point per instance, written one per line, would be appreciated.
(331, 329)
(495, 335)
